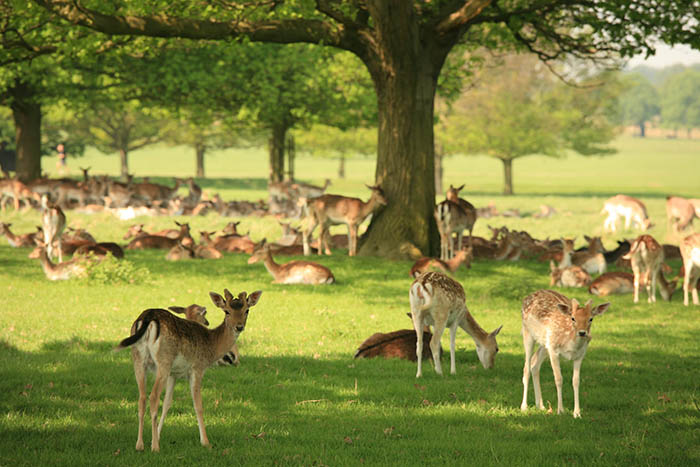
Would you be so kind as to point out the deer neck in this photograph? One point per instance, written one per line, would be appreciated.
(453, 263)
(504, 249)
(270, 264)
(664, 287)
(12, 238)
(565, 259)
(367, 208)
(472, 328)
(222, 339)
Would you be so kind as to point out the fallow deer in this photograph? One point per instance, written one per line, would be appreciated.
(330, 210)
(62, 271)
(99, 250)
(293, 272)
(562, 328)
(206, 249)
(592, 259)
(438, 300)
(53, 222)
(690, 251)
(397, 344)
(680, 213)
(155, 193)
(18, 240)
(174, 348)
(618, 282)
(179, 252)
(157, 241)
(570, 276)
(18, 192)
(453, 195)
(198, 314)
(628, 207)
(453, 217)
(646, 257)
(425, 264)
(234, 243)
(307, 190)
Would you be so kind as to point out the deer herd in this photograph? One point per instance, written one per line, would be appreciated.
(174, 347)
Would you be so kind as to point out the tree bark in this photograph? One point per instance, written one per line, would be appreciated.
(276, 147)
(341, 166)
(291, 155)
(438, 170)
(508, 176)
(124, 162)
(199, 150)
(26, 113)
(642, 129)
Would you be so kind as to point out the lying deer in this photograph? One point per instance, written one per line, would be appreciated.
(397, 344)
(562, 328)
(18, 241)
(157, 241)
(690, 251)
(570, 276)
(438, 300)
(66, 270)
(425, 264)
(628, 207)
(174, 348)
(646, 257)
(612, 283)
(591, 259)
(293, 272)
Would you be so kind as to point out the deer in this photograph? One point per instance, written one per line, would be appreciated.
(293, 272)
(628, 207)
(500, 250)
(438, 300)
(19, 192)
(463, 257)
(155, 193)
(619, 282)
(53, 222)
(174, 348)
(17, 241)
(562, 328)
(570, 276)
(397, 344)
(179, 252)
(306, 190)
(690, 252)
(198, 314)
(206, 249)
(327, 210)
(592, 259)
(452, 217)
(62, 271)
(646, 257)
(680, 213)
(157, 241)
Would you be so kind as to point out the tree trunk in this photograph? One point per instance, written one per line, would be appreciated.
(199, 150)
(27, 117)
(642, 129)
(276, 147)
(405, 78)
(124, 161)
(438, 170)
(508, 175)
(291, 154)
(341, 166)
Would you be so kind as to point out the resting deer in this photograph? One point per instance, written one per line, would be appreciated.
(63, 271)
(330, 210)
(680, 213)
(206, 249)
(17, 240)
(157, 241)
(646, 257)
(173, 348)
(397, 344)
(463, 256)
(293, 272)
(570, 276)
(619, 282)
(562, 328)
(53, 222)
(438, 300)
(690, 251)
(180, 252)
(628, 207)
(592, 259)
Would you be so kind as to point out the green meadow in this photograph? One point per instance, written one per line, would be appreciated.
(298, 396)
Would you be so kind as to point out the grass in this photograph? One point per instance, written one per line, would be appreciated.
(298, 397)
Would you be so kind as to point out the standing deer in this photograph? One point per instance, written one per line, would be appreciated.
(330, 210)
(628, 207)
(174, 348)
(680, 213)
(562, 328)
(438, 300)
(53, 222)
(690, 251)
(293, 272)
(453, 217)
(646, 257)
(198, 314)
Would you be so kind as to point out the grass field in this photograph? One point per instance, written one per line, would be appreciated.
(298, 397)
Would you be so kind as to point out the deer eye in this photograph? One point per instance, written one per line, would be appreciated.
(573, 319)
(590, 320)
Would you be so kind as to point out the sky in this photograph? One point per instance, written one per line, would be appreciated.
(666, 56)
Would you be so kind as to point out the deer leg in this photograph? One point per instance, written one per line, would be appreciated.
(161, 377)
(140, 373)
(167, 402)
(556, 369)
(438, 329)
(528, 343)
(636, 283)
(651, 286)
(575, 382)
(307, 233)
(60, 249)
(535, 365)
(418, 327)
(196, 389)
(453, 337)
(353, 239)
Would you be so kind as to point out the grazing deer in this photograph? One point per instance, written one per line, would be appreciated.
(293, 272)
(680, 213)
(173, 348)
(592, 259)
(62, 271)
(690, 251)
(330, 210)
(53, 222)
(562, 328)
(17, 240)
(646, 257)
(425, 264)
(438, 300)
(628, 207)
(570, 276)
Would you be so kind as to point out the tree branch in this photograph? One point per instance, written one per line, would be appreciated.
(459, 18)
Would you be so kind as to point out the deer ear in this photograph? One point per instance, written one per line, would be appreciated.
(600, 309)
(460, 188)
(564, 308)
(254, 297)
(218, 300)
(495, 333)
(177, 309)
(228, 295)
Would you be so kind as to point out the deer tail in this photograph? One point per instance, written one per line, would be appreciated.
(141, 327)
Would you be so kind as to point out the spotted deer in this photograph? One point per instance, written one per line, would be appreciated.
(173, 347)
(452, 217)
(570, 276)
(619, 282)
(591, 259)
(425, 264)
(293, 272)
(628, 207)
(76, 267)
(646, 257)
(690, 252)
(327, 210)
(439, 301)
(53, 222)
(562, 328)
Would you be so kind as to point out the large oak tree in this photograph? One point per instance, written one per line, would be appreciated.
(404, 45)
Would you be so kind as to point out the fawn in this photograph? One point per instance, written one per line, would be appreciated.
(562, 328)
(173, 347)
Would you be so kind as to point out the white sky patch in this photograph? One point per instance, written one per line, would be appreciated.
(667, 56)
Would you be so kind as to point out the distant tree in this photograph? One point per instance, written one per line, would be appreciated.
(521, 109)
(327, 141)
(680, 100)
(639, 102)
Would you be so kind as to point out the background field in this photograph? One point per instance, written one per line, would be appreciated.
(298, 396)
